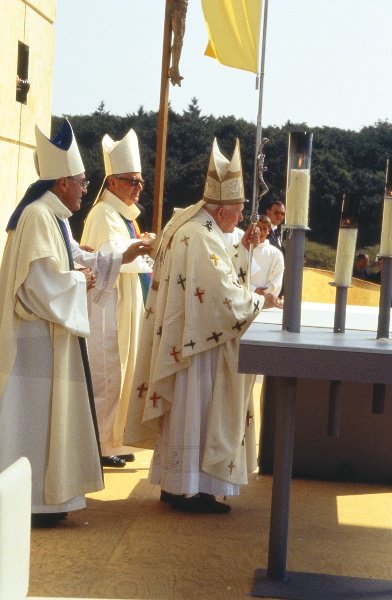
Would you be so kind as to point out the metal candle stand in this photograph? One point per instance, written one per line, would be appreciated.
(384, 313)
(343, 270)
(335, 387)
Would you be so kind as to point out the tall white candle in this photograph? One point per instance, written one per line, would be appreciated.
(297, 199)
(345, 256)
(386, 229)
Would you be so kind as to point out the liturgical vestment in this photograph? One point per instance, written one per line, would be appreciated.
(115, 325)
(188, 400)
(44, 407)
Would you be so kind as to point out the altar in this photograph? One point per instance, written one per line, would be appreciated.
(317, 354)
(363, 449)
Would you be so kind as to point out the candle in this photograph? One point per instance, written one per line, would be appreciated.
(345, 256)
(386, 229)
(297, 198)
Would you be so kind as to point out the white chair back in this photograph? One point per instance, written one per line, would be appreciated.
(15, 528)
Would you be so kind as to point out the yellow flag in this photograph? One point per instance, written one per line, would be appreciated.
(234, 32)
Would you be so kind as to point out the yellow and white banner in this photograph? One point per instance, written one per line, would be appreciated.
(234, 32)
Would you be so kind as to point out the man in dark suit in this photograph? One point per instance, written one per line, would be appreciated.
(275, 210)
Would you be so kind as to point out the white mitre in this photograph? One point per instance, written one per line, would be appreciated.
(59, 157)
(224, 183)
(123, 156)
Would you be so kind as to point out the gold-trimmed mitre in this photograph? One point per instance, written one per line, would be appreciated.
(224, 183)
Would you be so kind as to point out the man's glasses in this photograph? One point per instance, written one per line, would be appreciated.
(84, 183)
(132, 180)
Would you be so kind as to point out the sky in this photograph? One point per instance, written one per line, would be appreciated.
(327, 62)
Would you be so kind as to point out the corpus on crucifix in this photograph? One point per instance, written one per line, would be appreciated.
(178, 11)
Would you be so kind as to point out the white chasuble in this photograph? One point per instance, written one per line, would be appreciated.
(197, 309)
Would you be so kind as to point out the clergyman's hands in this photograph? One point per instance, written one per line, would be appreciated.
(251, 236)
(90, 278)
(137, 249)
(271, 301)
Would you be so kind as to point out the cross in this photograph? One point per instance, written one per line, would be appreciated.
(228, 302)
(256, 306)
(154, 399)
(231, 466)
(208, 224)
(239, 325)
(142, 388)
(215, 336)
(242, 275)
(185, 240)
(200, 293)
(181, 281)
(191, 344)
(174, 353)
(214, 259)
(148, 312)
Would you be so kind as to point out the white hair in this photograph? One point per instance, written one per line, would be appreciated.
(213, 207)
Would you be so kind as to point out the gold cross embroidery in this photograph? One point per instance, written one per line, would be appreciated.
(214, 259)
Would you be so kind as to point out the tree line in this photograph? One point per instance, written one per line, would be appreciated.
(342, 161)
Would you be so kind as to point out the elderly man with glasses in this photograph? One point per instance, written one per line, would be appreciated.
(47, 410)
(115, 324)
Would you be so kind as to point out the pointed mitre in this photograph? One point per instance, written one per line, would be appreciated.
(58, 157)
(123, 156)
(224, 183)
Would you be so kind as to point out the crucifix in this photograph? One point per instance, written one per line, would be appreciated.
(173, 35)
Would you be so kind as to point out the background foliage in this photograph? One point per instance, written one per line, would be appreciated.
(342, 160)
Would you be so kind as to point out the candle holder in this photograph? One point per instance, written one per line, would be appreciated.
(297, 207)
(342, 281)
(384, 312)
(298, 179)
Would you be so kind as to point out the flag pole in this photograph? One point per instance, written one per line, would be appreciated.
(162, 124)
(259, 186)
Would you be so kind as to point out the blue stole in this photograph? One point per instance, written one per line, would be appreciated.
(144, 278)
(82, 340)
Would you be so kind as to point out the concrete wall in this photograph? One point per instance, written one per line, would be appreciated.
(30, 22)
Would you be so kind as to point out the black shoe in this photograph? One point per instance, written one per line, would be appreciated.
(128, 457)
(201, 503)
(113, 461)
(46, 520)
(166, 496)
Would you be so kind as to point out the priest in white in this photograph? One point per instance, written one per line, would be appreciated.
(267, 261)
(111, 226)
(188, 400)
(45, 409)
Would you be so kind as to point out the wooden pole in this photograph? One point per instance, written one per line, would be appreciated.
(162, 124)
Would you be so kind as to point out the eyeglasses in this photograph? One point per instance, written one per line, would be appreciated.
(84, 183)
(134, 181)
